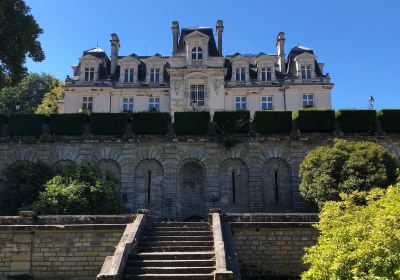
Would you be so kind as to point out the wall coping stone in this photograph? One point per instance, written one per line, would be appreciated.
(271, 218)
(67, 220)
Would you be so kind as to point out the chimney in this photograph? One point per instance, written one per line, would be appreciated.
(220, 28)
(280, 45)
(114, 53)
(175, 34)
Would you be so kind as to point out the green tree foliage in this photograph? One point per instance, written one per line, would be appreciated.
(28, 93)
(50, 101)
(345, 167)
(359, 238)
(20, 184)
(18, 38)
(79, 189)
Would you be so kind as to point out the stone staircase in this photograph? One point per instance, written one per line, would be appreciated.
(173, 250)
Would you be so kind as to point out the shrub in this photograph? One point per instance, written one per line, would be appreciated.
(3, 120)
(191, 122)
(314, 120)
(67, 124)
(232, 122)
(390, 119)
(26, 124)
(273, 121)
(345, 167)
(20, 185)
(79, 189)
(150, 122)
(357, 120)
(108, 123)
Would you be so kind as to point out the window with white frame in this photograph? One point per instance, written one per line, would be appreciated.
(89, 74)
(197, 95)
(266, 103)
(308, 101)
(306, 72)
(241, 102)
(87, 103)
(197, 53)
(266, 74)
(241, 74)
(127, 104)
(128, 75)
(154, 75)
(154, 103)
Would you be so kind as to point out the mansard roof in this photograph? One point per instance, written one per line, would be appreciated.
(96, 52)
(291, 65)
(212, 47)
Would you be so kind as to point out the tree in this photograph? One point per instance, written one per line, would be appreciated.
(79, 189)
(28, 93)
(18, 38)
(359, 238)
(50, 101)
(345, 167)
(20, 184)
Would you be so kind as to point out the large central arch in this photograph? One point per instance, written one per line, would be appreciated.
(191, 181)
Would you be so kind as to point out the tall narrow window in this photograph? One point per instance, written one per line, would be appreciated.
(306, 71)
(308, 101)
(89, 74)
(148, 187)
(128, 75)
(266, 74)
(233, 188)
(155, 75)
(266, 103)
(197, 53)
(197, 95)
(241, 74)
(276, 186)
(127, 104)
(154, 103)
(240, 102)
(87, 103)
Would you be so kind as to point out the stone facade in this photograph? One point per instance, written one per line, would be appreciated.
(197, 76)
(183, 178)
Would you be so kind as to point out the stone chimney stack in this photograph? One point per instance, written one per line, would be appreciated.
(280, 45)
(220, 28)
(114, 53)
(175, 35)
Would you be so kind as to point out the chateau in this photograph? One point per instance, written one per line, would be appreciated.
(197, 76)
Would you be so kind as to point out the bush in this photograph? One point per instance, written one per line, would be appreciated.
(79, 189)
(150, 122)
(191, 122)
(390, 119)
(345, 167)
(108, 123)
(232, 122)
(359, 238)
(26, 125)
(3, 120)
(357, 120)
(67, 124)
(273, 121)
(314, 120)
(20, 185)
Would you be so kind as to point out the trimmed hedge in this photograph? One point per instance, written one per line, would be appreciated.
(273, 121)
(191, 122)
(3, 120)
(357, 120)
(232, 121)
(150, 122)
(390, 119)
(314, 120)
(67, 124)
(26, 124)
(108, 123)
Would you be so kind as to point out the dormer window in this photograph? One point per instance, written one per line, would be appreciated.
(197, 53)
(306, 72)
(241, 74)
(89, 74)
(155, 75)
(266, 74)
(128, 75)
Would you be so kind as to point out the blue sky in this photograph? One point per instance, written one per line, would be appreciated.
(359, 41)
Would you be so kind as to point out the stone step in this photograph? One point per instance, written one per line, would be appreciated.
(178, 233)
(181, 224)
(176, 238)
(160, 228)
(169, 270)
(205, 255)
(159, 243)
(209, 276)
(176, 249)
(170, 263)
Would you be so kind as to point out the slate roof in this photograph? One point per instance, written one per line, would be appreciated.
(291, 65)
(212, 47)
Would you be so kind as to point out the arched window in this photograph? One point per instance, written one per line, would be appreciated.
(197, 53)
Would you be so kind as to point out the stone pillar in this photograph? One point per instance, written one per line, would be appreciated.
(220, 28)
(114, 53)
(175, 34)
(280, 45)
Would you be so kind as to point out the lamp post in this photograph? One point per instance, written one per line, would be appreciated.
(371, 101)
(17, 106)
